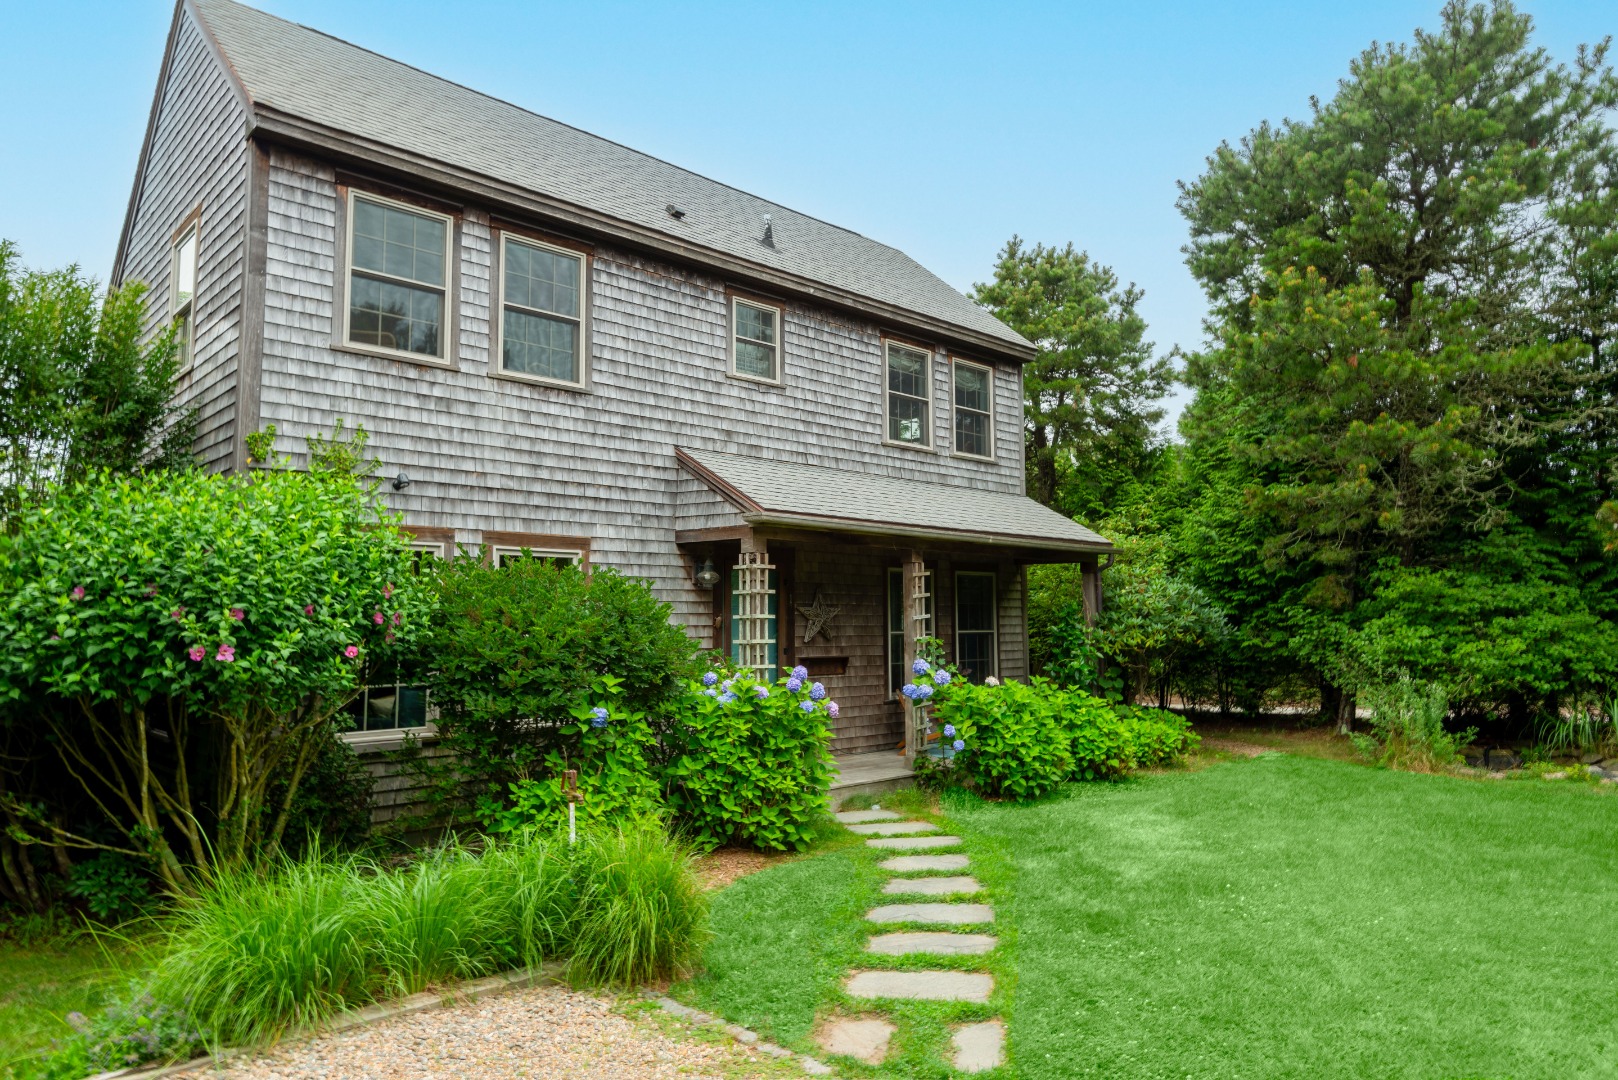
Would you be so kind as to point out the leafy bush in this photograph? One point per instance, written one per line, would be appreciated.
(114, 887)
(1407, 726)
(1014, 742)
(1103, 743)
(750, 762)
(234, 615)
(132, 1031)
(332, 802)
(1160, 737)
(518, 649)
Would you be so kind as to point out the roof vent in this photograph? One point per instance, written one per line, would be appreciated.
(675, 212)
(769, 232)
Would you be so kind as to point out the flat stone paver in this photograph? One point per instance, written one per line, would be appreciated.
(932, 886)
(950, 914)
(910, 864)
(921, 985)
(863, 1039)
(980, 1047)
(934, 942)
(913, 843)
(893, 828)
(854, 817)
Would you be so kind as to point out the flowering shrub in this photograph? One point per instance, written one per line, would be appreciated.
(132, 1031)
(750, 762)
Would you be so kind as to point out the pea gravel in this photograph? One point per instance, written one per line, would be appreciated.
(539, 1032)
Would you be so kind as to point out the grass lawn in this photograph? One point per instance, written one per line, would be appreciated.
(1282, 916)
(41, 984)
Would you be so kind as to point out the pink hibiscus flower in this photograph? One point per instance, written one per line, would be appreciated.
(352, 651)
(196, 653)
(227, 653)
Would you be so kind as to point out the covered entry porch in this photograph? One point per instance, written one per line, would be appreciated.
(848, 575)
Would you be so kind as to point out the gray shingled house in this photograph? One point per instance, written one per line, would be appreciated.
(809, 444)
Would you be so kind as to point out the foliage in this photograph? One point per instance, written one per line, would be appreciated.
(518, 649)
(1407, 726)
(113, 886)
(1089, 395)
(1155, 622)
(1585, 729)
(82, 389)
(129, 1032)
(332, 803)
(1160, 737)
(232, 616)
(750, 762)
(1015, 737)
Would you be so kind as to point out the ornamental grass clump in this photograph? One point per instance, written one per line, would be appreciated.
(642, 912)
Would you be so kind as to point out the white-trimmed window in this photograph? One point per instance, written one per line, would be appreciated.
(383, 707)
(755, 340)
(976, 638)
(183, 290)
(897, 618)
(541, 312)
(398, 278)
(502, 555)
(974, 409)
(909, 381)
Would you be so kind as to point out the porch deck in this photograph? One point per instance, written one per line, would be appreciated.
(869, 774)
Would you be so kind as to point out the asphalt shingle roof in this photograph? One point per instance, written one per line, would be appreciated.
(811, 491)
(304, 73)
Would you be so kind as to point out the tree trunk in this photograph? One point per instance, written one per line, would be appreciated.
(1345, 712)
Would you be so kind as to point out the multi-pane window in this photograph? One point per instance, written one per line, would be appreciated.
(755, 340)
(908, 411)
(897, 628)
(505, 556)
(398, 271)
(974, 410)
(183, 291)
(388, 706)
(542, 290)
(975, 649)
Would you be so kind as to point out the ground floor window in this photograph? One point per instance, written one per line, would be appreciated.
(389, 706)
(897, 620)
(975, 630)
(505, 556)
(773, 652)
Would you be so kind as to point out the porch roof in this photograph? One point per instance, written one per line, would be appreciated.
(789, 495)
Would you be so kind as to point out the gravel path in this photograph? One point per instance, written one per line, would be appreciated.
(539, 1033)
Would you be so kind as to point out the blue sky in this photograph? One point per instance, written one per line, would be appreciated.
(940, 128)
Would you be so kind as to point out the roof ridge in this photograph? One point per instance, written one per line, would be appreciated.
(561, 123)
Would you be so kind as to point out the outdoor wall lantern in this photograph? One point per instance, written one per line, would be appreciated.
(707, 576)
(401, 482)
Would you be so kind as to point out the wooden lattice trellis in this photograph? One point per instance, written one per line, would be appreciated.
(754, 626)
(919, 608)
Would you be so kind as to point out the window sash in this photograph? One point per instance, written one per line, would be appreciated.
(974, 411)
(976, 625)
(183, 292)
(536, 341)
(390, 706)
(502, 555)
(752, 356)
(909, 400)
(406, 314)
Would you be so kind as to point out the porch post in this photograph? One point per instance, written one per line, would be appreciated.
(755, 631)
(918, 616)
(1091, 573)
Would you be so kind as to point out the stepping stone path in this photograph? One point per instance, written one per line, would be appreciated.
(976, 1047)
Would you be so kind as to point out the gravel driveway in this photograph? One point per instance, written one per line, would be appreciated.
(539, 1032)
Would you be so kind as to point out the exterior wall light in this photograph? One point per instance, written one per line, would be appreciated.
(707, 576)
(401, 482)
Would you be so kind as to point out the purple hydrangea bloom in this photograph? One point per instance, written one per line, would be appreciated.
(711, 692)
(800, 672)
(795, 684)
(726, 698)
(832, 710)
(923, 692)
(807, 706)
(949, 730)
(920, 667)
(709, 678)
(817, 691)
(909, 690)
(598, 717)
(762, 691)
(941, 677)
(959, 745)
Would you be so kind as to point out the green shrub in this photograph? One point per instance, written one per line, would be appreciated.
(749, 766)
(1014, 740)
(1160, 737)
(517, 650)
(115, 887)
(1407, 726)
(643, 912)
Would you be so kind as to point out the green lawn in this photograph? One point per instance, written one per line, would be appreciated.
(1276, 917)
(41, 984)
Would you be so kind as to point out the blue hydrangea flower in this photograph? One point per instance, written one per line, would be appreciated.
(949, 730)
(711, 692)
(763, 691)
(726, 698)
(598, 717)
(725, 686)
(941, 677)
(709, 678)
(909, 690)
(817, 691)
(959, 745)
(920, 667)
(923, 692)
(800, 673)
(807, 706)
(795, 683)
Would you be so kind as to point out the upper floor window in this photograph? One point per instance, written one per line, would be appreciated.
(183, 291)
(541, 298)
(398, 276)
(909, 411)
(974, 410)
(755, 340)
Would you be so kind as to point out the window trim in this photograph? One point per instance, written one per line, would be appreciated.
(388, 738)
(994, 614)
(541, 544)
(497, 321)
(956, 362)
(189, 229)
(734, 298)
(929, 446)
(499, 551)
(345, 285)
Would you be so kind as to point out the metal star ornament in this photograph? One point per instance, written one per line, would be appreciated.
(817, 618)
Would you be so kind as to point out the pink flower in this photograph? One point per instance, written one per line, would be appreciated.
(196, 653)
(388, 636)
(78, 592)
(398, 617)
(379, 618)
(177, 614)
(227, 653)
(352, 651)
(238, 614)
(151, 590)
(832, 710)
(308, 609)
(387, 591)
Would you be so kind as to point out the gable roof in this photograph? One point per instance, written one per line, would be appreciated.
(779, 493)
(292, 71)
